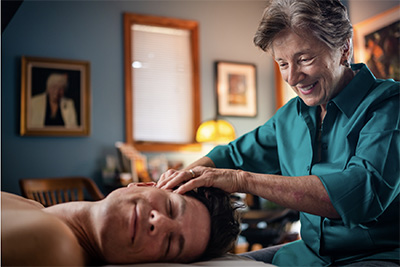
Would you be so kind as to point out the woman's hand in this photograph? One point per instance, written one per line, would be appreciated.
(228, 180)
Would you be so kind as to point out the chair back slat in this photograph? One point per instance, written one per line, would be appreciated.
(53, 196)
(79, 193)
(50, 191)
(41, 197)
(66, 196)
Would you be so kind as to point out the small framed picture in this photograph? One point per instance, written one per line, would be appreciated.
(55, 97)
(376, 43)
(236, 89)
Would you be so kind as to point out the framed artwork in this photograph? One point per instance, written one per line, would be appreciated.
(55, 97)
(283, 91)
(236, 89)
(376, 43)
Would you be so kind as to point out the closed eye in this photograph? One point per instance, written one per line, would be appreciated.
(171, 211)
(282, 65)
(307, 60)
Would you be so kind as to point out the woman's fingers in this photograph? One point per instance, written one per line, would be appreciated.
(192, 184)
(172, 178)
(187, 180)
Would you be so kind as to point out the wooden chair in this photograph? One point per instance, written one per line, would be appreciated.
(50, 191)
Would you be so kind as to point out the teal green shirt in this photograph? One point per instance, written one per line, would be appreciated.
(358, 164)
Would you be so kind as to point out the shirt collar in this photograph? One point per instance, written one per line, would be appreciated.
(350, 97)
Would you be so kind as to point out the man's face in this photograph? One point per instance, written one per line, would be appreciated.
(147, 224)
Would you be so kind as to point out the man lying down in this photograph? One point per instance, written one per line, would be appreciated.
(132, 224)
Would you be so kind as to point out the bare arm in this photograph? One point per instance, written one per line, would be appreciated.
(304, 193)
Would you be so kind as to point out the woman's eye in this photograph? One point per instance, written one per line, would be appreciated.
(282, 65)
(306, 60)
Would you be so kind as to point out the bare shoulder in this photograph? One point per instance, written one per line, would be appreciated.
(33, 237)
(11, 201)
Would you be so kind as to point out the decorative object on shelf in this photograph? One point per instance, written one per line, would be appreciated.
(376, 43)
(236, 89)
(133, 164)
(55, 97)
(215, 131)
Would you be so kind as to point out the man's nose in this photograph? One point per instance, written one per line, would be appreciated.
(160, 223)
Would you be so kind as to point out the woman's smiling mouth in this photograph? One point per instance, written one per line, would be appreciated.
(306, 90)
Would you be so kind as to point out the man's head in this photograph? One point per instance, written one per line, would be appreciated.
(146, 224)
(225, 225)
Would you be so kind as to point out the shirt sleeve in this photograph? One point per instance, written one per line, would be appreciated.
(371, 179)
(255, 151)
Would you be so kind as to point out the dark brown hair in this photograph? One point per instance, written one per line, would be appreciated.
(225, 222)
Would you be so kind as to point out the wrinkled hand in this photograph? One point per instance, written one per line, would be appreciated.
(225, 179)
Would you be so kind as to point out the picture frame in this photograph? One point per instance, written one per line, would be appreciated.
(376, 45)
(55, 97)
(283, 91)
(236, 89)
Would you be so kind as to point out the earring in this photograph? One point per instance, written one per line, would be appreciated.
(346, 63)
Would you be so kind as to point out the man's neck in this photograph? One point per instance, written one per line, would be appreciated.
(78, 216)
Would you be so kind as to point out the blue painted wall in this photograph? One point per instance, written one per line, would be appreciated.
(92, 31)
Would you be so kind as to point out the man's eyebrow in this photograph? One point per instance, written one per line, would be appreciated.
(182, 205)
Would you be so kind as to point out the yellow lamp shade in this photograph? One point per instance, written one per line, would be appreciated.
(215, 131)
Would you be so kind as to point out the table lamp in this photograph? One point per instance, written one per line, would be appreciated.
(215, 131)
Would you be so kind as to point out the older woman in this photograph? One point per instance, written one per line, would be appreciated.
(331, 153)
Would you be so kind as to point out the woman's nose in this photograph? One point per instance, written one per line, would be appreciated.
(294, 75)
(160, 223)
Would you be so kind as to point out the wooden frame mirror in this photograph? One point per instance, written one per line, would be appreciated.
(162, 98)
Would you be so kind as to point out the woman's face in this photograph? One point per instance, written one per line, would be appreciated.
(147, 224)
(310, 67)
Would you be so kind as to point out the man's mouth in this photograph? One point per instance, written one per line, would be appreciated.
(307, 89)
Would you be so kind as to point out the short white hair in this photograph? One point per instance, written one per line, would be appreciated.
(57, 79)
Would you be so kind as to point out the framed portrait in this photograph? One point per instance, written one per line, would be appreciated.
(283, 91)
(55, 97)
(236, 89)
(376, 43)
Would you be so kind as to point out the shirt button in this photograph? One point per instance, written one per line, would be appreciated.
(324, 146)
(308, 167)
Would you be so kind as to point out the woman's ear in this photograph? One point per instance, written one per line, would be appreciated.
(346, 51)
